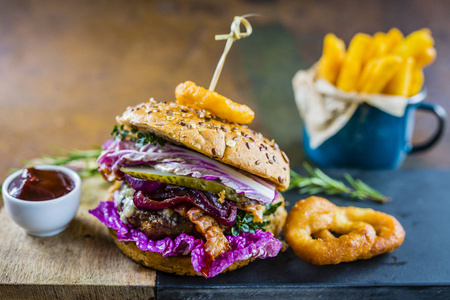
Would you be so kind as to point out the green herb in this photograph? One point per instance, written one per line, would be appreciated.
(141, 138)
(319, 182)
(84, 162)
(244, 223)
(120, 133)
(244, 220)
(271, 208)
(148, 138)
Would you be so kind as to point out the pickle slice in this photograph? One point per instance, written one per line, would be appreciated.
(187, 181)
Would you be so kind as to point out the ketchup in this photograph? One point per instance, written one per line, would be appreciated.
(40, 185)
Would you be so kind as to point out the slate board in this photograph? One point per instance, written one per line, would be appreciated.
(419, 269)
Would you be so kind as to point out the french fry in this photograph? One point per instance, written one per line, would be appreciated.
(401, 83)
(425, 57)
(369, 69)
(352, 65)
(332, 57)
(393, 37)
(377, 47)
(385, 69)
(417, 81)
(415, 43)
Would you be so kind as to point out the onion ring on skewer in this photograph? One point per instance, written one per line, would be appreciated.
(189, 94)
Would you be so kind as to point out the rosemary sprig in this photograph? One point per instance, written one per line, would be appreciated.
(319, 182)
(81, 161)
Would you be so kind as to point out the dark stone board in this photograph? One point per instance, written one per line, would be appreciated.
(419, 269)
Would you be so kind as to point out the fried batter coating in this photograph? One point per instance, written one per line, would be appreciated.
(189, 94)
(362, 233)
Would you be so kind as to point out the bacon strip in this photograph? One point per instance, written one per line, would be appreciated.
(253, 207)
(216, 242)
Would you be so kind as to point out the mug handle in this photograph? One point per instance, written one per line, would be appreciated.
(441, 115)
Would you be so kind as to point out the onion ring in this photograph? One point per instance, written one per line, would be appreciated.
(313, 223)
(189, 94)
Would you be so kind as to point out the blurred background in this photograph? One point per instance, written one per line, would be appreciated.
(68, 68)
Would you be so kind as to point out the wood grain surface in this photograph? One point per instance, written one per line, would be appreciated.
(67, 68)
(80, 263)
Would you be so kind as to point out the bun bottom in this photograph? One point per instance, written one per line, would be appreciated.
(181, 265)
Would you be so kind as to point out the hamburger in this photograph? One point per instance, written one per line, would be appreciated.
(194, 193)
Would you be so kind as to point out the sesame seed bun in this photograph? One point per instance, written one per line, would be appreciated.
(229, 143)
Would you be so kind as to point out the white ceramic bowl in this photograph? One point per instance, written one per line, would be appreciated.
(44, 218)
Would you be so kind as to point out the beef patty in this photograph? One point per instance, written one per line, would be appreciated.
(158, 224)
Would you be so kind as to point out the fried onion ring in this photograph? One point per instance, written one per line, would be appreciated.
(189, 94)
(313, 223)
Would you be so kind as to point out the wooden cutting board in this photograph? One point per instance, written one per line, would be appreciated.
(80, 263)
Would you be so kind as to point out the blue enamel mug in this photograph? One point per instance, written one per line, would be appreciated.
(373, 139)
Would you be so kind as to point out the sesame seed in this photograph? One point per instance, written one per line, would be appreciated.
(235, 138)
(231, 143)
(286, 159)
(252, 139)
(257, 162)
(267, 155)
(260, 148)
(184, 110)
(247, 144)
(182, 123)
(274, 158)
(281, 180)
(270, 161)
(214, 151)
(201, 123)
(189, 126)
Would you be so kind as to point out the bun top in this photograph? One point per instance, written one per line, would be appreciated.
(229, 143)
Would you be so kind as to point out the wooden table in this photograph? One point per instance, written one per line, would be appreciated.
(68, 68)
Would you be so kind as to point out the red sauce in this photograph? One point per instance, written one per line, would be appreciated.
(40, 185)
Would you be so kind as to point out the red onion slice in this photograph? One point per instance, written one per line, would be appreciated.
(171, 195)
(146, 186)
